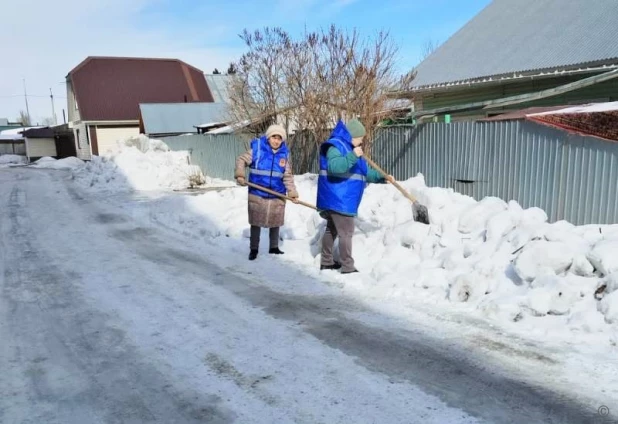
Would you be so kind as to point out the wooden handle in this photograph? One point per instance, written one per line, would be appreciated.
(282, 196)
(395, 183)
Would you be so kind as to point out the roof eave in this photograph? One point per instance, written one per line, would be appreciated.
(112, 122)
(494, 80)
(521, 98)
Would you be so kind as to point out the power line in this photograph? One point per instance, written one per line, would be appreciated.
(29, 95)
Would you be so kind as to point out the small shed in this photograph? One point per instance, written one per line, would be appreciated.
(170, 119)
(12, 142)
(39, 142)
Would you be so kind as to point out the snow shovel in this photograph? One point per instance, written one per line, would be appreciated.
(282, 196)
(419, 212)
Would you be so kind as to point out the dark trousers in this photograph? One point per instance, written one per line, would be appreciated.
(254, 242)
(341, 226)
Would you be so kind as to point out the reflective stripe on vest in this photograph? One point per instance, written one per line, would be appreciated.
(340, 193)
(268, 167)
(265, 173)
(345, 176)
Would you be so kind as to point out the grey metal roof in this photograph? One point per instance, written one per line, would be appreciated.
(511, 37)
(178, 118)
(218, 84)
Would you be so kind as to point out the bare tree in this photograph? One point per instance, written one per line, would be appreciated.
(24, 118)
(310, 83)
(48, 122)
(429, 46)
(256, 90)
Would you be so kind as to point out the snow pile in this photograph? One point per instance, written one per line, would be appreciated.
(489, 257)
(51, 163)
(140, 164)
(10, 160)
(494, 258)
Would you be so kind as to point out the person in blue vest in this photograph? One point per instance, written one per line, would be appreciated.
(341, 183)
(269, 166)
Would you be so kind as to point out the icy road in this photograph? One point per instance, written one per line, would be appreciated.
(105, 318)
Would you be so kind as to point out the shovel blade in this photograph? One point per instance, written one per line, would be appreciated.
(420, 213)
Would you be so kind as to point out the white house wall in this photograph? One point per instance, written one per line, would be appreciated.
(73, 107)
(82, 144)
(107, 138)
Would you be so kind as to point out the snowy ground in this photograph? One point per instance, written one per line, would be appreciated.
(487, 315)
(7, 161)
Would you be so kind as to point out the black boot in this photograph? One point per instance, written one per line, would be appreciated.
(275, 251)
(336, 265)
(349, 272)
(253, 254)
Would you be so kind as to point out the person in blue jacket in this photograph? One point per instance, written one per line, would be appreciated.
(341, 183)
(269, 167)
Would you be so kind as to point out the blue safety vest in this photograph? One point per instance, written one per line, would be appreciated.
(340, 192)
(268, 167)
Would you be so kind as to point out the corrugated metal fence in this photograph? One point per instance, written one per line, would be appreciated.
(214, 154)
(12, 147)
(571, 177)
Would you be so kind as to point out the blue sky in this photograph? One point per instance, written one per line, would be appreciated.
(202, 33)
(411, 23)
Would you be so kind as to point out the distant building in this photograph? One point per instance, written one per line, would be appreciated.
(104, 96)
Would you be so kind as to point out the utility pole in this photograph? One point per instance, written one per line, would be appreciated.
(26, 98)
(51, 95)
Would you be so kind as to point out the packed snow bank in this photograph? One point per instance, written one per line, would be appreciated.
(141, 164)
(490, 258)
(10, 160)
(66, 163)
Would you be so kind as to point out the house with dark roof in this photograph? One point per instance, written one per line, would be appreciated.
(104, 96)
(517, 54)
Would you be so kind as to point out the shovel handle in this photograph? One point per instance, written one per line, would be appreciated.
(282, 196)
(395, 183)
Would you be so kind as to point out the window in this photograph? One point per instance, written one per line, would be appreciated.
(79, 145)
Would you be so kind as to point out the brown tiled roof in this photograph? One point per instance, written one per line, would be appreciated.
(111, 88)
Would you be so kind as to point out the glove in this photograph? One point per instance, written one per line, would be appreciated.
(241, 181)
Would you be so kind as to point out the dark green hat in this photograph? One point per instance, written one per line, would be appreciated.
(356, 128)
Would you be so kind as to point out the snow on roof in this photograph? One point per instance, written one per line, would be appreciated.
(589, 108)
(210, 124)
(15, 133)
(18, 130)
(230, 128)
(10, 137)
